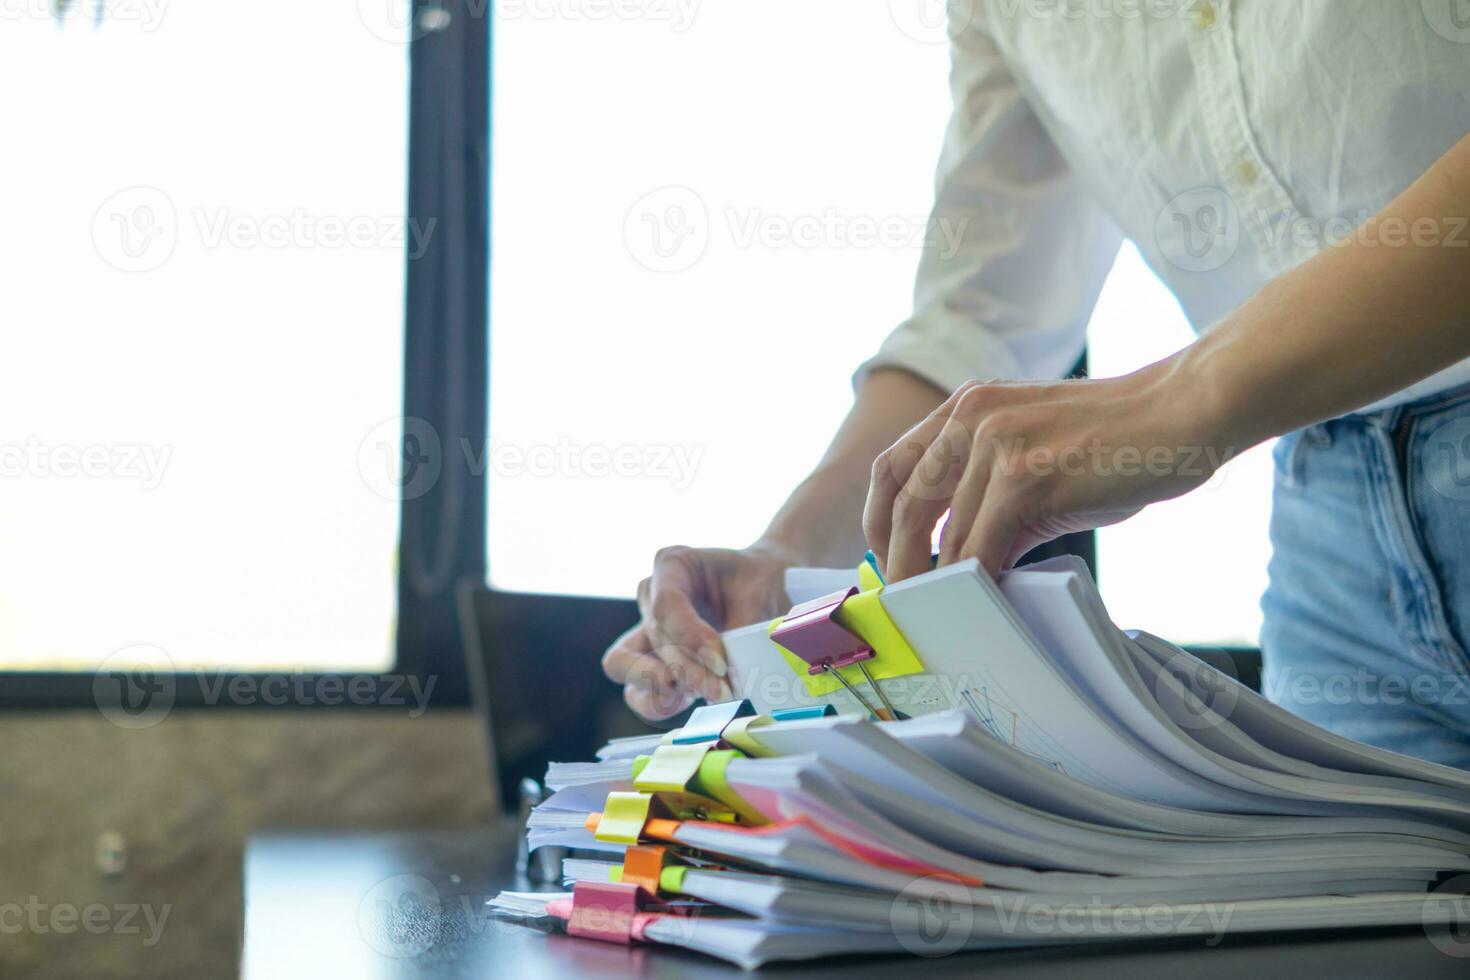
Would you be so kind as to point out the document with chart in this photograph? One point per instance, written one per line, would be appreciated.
(954, 763)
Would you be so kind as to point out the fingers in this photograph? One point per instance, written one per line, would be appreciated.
(658, 702)
(677, 634)
(626, 651)
(891, 472)
(925, 498)
(965, 507)
(995, 536)
(650, 686)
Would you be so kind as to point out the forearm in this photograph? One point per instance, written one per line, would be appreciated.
(1387, 307)
(820, 523)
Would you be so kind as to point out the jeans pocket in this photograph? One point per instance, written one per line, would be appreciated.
(1437, 484)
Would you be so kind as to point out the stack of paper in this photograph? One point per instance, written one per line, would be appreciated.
(1053, 780)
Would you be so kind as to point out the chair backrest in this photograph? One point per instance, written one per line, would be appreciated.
(534, 667)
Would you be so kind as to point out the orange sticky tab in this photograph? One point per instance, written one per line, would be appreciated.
(661, 829)
(643, 864)
(593, 821)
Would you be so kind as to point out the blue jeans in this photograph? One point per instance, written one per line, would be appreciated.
(1367, 616)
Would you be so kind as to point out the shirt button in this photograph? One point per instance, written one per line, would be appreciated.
(1206, 15)
(1248, 172)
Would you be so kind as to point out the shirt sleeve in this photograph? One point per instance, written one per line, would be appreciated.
(1016, 253)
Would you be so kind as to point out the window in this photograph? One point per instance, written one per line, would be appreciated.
(705, 216)
(203, 340)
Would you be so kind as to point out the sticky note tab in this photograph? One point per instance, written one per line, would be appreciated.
(738, 734)
(707, 722)
(670, 768)
(623, 817)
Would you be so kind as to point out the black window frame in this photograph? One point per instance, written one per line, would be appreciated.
(442, 531)
(442, 540)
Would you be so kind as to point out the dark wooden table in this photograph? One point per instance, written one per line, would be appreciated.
(401, 906)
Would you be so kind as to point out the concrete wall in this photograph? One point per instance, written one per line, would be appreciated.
(182, 796)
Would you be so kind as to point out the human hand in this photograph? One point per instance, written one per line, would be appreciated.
(1017, 464)
(674, 654)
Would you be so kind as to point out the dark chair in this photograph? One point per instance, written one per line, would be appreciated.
(534, 670)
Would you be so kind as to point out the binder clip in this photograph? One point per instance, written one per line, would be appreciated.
(609, 911)
(811, 631)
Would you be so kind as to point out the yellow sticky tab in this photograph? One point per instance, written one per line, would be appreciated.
(864, 615)
(671, 767)
(868, 579)
(738, 734)
(623, 817)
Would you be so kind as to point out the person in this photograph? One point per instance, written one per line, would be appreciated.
(1299, 175)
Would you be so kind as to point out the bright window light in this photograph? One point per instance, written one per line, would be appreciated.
(693, 254)
(203, 312)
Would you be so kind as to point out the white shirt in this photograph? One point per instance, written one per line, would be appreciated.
(1229, 139)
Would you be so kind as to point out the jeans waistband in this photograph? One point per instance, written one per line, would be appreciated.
(1390, 418)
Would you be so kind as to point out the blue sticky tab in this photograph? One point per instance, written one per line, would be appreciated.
(707, 723)
(806, 711)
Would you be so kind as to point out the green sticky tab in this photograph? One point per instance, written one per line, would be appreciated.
(671, 879)
(615, 874)
(711, 782)
(623, 817)
(670, 768)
